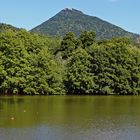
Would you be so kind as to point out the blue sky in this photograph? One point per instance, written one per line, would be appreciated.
(30, 13)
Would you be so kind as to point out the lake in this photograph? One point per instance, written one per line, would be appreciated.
(70, 118)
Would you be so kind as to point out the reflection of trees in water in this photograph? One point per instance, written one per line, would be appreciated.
(10, 101)
(78, 111)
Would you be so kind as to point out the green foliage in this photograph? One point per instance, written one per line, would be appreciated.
(111, 67)
(7, 27)
(27, 67)
(68, 45)
(79, 79)
(37, 65)
(87, 38)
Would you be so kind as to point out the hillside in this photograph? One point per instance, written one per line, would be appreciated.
(6, 27)
(72, 20)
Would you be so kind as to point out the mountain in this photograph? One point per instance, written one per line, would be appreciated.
(6, 27)
(72, 20)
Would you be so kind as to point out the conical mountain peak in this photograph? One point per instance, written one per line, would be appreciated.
(72, 10)
(72, 20)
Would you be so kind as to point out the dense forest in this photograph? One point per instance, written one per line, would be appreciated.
(31, 64)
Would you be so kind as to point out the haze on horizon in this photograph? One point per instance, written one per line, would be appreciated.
(29, 13)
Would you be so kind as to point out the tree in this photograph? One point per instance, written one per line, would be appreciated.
(116, 65)
(87, 38)
(27, 66)
(79, 80)
(68, 45)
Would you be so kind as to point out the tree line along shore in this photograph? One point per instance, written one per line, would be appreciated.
(31, 64)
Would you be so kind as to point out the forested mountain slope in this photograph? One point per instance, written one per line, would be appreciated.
(6, 27)
(72, 20)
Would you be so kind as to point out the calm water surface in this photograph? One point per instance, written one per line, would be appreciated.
(70, 118)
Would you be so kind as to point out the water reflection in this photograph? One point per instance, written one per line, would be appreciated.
(70, 117)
